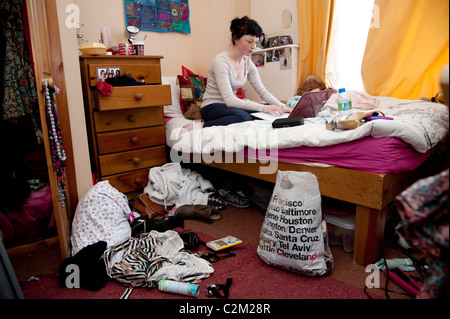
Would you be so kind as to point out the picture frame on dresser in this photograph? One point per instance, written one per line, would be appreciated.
(111, 72)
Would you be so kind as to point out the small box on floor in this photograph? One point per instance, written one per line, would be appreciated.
(341, 230)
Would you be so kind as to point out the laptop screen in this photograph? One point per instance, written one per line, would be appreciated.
(311, 103)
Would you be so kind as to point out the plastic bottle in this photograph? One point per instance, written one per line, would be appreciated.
(105, 37)
(344, 103)
(177, 287)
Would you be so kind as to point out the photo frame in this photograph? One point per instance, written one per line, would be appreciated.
(109, 72)
(258, 59)
(273, 42)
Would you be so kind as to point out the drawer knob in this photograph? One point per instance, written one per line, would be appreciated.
(134, 140)
(131, 118)
(136, 160)
(128, 74)
(138, 181)
(139, 96)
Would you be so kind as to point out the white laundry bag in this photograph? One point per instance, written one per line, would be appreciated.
(294, 236)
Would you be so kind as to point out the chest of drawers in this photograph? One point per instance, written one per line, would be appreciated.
(125, 129)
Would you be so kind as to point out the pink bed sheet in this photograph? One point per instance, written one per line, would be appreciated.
(376, 155)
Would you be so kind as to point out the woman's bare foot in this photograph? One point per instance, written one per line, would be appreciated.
(191, 126)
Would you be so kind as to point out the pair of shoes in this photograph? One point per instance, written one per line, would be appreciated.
(202, 212)
(235, 200)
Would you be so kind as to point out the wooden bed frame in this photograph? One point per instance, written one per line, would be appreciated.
(370, 192)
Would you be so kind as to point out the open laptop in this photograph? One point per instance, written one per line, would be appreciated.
(309, 105)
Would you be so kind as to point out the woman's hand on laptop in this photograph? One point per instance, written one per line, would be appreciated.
(276, 110)
(286, 109)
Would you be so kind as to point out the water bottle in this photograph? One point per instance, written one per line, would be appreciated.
(344, 103)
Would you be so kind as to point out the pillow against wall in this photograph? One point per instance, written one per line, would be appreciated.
(174, 109)
(192, 88)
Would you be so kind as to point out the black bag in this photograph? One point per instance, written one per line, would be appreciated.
(288, 122)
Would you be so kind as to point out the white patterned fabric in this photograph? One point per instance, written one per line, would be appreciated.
(102, 215)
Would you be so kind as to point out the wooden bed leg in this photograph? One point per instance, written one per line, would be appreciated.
(369, 234)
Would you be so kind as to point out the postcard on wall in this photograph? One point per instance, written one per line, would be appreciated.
(273, 56)
(286, 59)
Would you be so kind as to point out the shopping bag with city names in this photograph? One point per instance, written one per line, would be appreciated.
(294, 235)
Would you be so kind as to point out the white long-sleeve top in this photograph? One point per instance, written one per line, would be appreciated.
(222, 85)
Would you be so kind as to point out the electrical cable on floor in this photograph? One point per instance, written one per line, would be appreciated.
(386, 289)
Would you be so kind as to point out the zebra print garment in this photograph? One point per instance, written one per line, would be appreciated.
(154, 256)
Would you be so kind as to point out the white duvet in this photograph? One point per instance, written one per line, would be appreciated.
(418, 123)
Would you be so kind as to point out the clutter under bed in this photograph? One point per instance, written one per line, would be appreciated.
(367, 166)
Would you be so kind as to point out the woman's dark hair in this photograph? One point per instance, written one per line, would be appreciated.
(244, 26)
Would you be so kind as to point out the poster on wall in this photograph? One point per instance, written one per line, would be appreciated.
(158, 15)
(286, 59)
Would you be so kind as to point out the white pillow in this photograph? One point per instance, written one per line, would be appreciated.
(173, 110)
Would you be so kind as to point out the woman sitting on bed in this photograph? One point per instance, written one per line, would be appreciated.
(228, 72)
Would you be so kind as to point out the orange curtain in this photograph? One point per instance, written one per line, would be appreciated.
(406, 53)
(315, 19)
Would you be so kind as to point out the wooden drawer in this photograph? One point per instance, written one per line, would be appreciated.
(132, 160)
(147, 72)
(128, 97)
(128, 119)
(128, 182)
(120, 141)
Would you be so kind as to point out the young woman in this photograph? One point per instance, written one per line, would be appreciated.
(228, 72)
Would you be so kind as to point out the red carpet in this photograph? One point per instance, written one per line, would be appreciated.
(252, 279)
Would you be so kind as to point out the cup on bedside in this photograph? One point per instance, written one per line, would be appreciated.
(138, 47)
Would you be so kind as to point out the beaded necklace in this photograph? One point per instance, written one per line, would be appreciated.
(54, 131)
(56, 145)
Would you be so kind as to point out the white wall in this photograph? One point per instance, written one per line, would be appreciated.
(75, 101)
(281, 83)
(268, 14)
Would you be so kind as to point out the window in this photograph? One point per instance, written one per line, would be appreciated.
(351, 22)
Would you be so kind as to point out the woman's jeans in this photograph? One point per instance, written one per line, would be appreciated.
(219, 114)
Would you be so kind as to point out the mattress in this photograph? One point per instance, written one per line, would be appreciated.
(376, 155)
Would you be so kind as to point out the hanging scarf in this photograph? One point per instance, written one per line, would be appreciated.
(20, 100)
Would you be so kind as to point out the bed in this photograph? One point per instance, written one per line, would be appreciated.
(367, 166)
